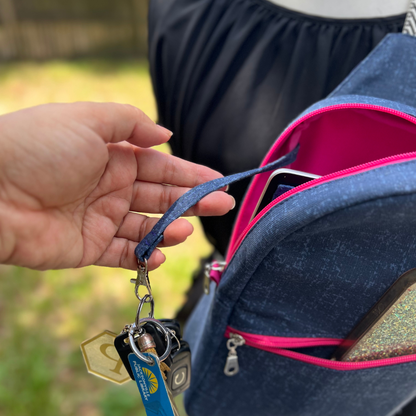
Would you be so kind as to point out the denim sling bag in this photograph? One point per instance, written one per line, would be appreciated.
(301, 274)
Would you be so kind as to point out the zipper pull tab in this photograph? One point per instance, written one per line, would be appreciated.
(216, 266)
(231, 366)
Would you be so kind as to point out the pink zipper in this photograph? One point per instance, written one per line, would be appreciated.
(237, 239)
(281, 345)
(327, 178)
(282, 342)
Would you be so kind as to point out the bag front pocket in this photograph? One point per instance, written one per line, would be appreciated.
(284, 346)
(275, 381)
(333, 140)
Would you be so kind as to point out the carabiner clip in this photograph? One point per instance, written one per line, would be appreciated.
(142, 279)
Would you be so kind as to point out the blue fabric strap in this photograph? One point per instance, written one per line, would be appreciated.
(145, 248)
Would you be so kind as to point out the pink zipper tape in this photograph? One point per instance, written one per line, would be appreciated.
(280, 345)
(283, 342)
(238, 237)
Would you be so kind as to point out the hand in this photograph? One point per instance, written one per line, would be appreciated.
(70, 177)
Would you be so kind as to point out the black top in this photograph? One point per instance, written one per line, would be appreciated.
(230, 75)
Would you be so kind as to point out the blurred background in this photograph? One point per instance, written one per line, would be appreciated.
(56, 51)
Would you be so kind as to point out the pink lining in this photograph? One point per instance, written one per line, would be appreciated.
(352, 134)
(279, 345)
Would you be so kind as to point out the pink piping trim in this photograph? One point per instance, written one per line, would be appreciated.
(260, 180)
(278, 345)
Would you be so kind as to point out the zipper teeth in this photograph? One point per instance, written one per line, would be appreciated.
(330, 176)
(275, 346)
(284, 342)
(318, 181)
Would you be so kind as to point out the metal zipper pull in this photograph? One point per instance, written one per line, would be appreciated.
(231, 366)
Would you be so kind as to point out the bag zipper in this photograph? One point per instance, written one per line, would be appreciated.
(323, 179)
(281, 345)
(237, 239)
(231, 365)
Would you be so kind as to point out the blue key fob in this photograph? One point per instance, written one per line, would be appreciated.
(152, 387)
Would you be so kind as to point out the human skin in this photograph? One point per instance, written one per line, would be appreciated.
(73, 178)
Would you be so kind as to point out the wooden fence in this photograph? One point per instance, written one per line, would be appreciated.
(65, 34)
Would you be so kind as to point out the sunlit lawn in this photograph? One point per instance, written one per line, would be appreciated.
(44, 316)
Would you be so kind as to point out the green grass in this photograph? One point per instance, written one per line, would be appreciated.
(27, 84)
(44, 316)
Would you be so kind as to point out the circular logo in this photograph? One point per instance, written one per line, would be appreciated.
(151, 381)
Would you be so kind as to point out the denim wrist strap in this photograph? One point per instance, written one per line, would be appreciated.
(145, 248)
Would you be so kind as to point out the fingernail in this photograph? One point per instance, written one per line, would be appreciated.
(165, 131)
(227, 188)
(233, 203)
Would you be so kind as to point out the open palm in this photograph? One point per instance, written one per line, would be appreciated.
(74, 176)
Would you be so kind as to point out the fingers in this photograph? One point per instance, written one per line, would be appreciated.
(135, 227)
(158, 167)
(120, 253)
(117, 122)
(155, 198)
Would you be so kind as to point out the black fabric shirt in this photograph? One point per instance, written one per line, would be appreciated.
(230, 75)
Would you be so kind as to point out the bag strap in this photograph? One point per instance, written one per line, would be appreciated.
(145, 248)
(409, 27)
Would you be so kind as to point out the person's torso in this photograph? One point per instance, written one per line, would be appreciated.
(346, 9)
(229, 75)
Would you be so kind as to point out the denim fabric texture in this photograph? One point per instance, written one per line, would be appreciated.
(361, 99)
(145, 248)
(388, 72)
(312, 266)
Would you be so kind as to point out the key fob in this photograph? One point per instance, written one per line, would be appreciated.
(123, 347)
(179, 376)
